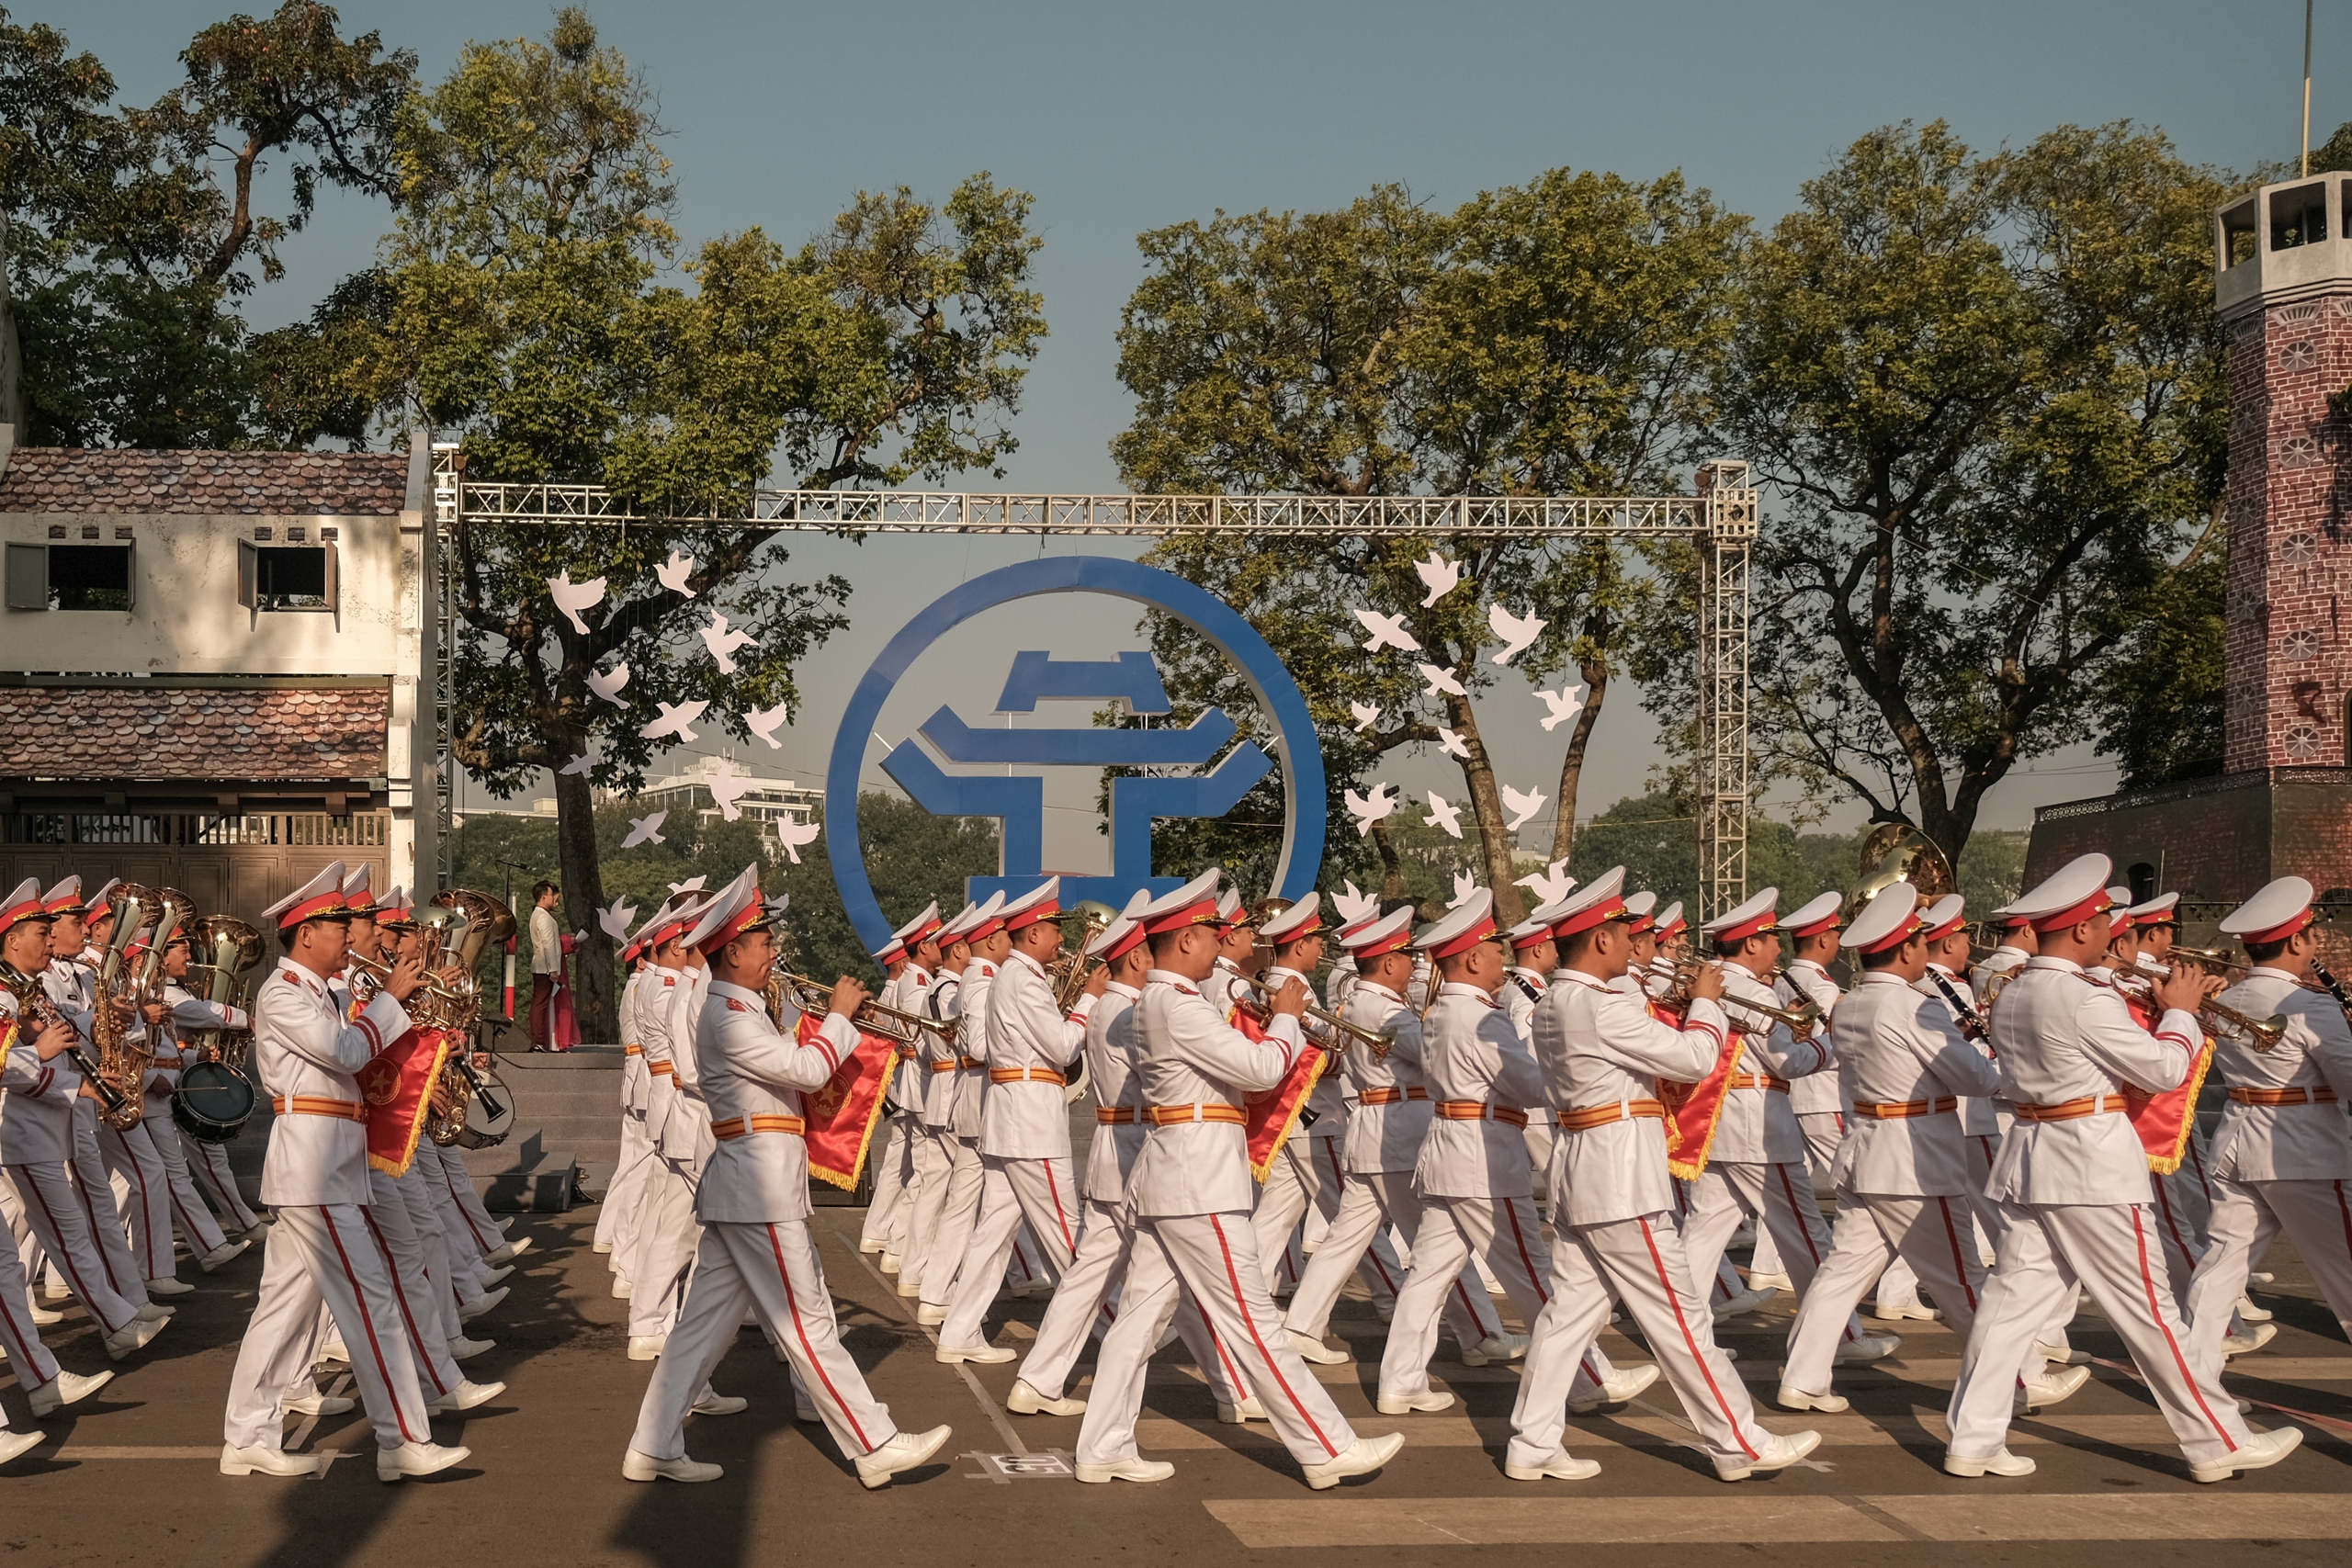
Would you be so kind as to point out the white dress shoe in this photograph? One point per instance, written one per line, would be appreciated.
(870, 1248)
(602, 1247)
(154, 1312)
(621, 1287)
(2063, 1356)
(1136, 1469)
(891, 1263)
(2249, 1313)
(1561, 1466)
(986, 1355)
(635, 1466)
(2050, 1388)
(66, 1388)
(1362, 1458)
(909, 1288)
(132, 1337)
(1235, 1415)
(235, 1460)
(418, 1459)
(1616, 1388)
(465, 1396)
(317, 1404)
(2002, 1463)
(645, 1347)
(54, 1290)
(1869, 1348)
(904, 1452)
(1896, 1311)
(1027, 1401)
(1406, 1404)
(2255, 1336)
(220, 1254)
(167, 1288)
(807, 1414)
(462, 1348)
(482, 1304)
(931, 1316)
(44, 1318)
(1315, 1351)
(716, 1404)
(505, 1222)
(1797, 1399)
(15, 1443)
(492, 1275)
(2259, 1278)
(1770, 1281)
(1783, 1452)
(1746, 1302)
(1495, 1348)
(510, 1252)
(2261, 1451)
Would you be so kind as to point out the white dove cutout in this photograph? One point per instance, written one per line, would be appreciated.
(1565, 704)
(1439, 681)
(609, 686)
(727, 787)
(615, 920)
(1465, 885)
(674, 573)
(1355, 908)
(1549, 885)
(1450, 743)
(1365, 716)
(1388, 631)
(580, 764)
(573, 597)
(644, 831)
(1443, 816)
(691, 884)
(762, 722)
(677, 719)
(795, 834)
(1522, 806)
(1367, 812)
(1439, 575)
(723, 643)
(1516, 635)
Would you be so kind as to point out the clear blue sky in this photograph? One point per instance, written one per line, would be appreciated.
(1121, 118)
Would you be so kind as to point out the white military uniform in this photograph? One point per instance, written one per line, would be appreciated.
(959, 1208)
(25, 1078)
(186, 1015)
(306, 1054)
(72, 984)
(1523, 989)
(1189, 1192)
(933, 1140)
(888, 1216)
(684, 1140)
(618, 1211)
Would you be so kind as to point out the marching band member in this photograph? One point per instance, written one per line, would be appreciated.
(2070, 1046)
(1812, 936)
(620, 1191)
(1901, 1171)
(1472, 1170)
(205, 1161)
(959, 1211)
(888, 1217)
(756, 1251)
(2279, 1162)
(1025, 1123)
(1388, 1118)
(638, 1189)
(306, 1054)
(941, 1057)
(1190, 1196)
(181, 1013)
(1307, 1169)
(1533, 956)
(1601, 1054)
(679, 1129)
(1113, 1065)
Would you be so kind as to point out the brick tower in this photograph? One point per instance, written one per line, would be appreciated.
(2282, 283)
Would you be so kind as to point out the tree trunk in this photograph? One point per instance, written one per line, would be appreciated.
(1392, 883)
(583, 893)
(1564, 827)
(1495, 841)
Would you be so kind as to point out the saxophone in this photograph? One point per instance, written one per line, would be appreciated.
(119, 1062)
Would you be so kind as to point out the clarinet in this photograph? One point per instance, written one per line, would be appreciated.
(2334, 987)
(37, 1012)
(1971, 1022)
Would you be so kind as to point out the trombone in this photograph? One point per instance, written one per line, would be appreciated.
(2262, 1033)
(814, 996)
(1375, 1041)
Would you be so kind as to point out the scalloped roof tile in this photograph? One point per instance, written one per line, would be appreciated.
(73, 480)
(206, 733)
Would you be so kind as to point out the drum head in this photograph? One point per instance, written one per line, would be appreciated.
(489, 1114)
(213, 1102)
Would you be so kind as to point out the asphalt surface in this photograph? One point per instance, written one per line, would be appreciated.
(131, 1476)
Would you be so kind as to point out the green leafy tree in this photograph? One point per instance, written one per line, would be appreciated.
(526, 317)
(1552, 339)
(1988, 393)
(911, 858)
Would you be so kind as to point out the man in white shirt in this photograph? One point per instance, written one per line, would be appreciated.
(547, 964)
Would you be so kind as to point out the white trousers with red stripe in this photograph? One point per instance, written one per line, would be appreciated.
(394, 1233)
(1503, 1231)
(1094, 1287)
(619, 1207)
(1039, 1190)
(1305, 1176)
(209, 1163)
(424, 1217)
(1639, 1261)
(894, 1190)
(774, 1269)
(1933, 1235)
(1355, 1244)
(477, 1227)
(934, 1153)
(131, 1155)
(107, 1226)
(196, 1222)
(2113, 1251)
(59, 1218)
(2248, 1217)
(1215, 1257)
(27, 1357)
(1779, 1197)
(323, 1255)
(959, 1213)
(2180, 1215)
(666, 1252)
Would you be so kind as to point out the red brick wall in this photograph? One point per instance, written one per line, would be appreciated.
(2211, 840)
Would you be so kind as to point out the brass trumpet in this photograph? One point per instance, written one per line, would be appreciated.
(1379, 1044)
(2262, 1033)
(1070, 972)
(815, 996)
(1799, 1019)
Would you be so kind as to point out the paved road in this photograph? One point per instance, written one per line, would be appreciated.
(132, 1479)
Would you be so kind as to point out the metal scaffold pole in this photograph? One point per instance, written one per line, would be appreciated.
(1724, 774)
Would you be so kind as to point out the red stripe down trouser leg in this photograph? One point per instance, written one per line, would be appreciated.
(1104, 1247)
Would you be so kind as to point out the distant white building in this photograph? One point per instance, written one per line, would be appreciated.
(766, 800)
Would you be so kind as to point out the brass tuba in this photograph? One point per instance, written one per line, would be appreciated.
(1896, 852)
(460, 924)
(121, 1067)
(227, 951)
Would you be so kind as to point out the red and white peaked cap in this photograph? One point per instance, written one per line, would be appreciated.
(321, 898)
(2072, 894)
(1889, 919)
(2275, 913)
(1461, 928)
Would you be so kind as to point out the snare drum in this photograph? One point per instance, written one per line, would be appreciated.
(213, 1102)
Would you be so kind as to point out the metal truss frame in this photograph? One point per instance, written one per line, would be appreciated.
(1721, 520)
